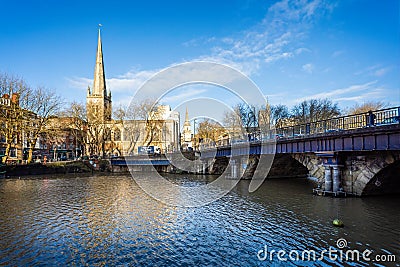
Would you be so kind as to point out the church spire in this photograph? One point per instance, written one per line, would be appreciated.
(99, 82)
(187, 118)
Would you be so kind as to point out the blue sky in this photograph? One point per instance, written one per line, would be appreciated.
(345, 50)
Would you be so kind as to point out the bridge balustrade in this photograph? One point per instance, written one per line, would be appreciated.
(358, 121)
(375, 118)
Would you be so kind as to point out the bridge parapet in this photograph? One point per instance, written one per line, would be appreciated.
(375, 118)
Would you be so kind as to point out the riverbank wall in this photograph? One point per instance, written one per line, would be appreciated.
(61, 167)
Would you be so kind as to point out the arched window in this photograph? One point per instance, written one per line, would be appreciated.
(107, 134)
(126, 134)
(117, 135)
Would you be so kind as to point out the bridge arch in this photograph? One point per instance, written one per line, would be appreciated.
(385, 181)
(312, 163)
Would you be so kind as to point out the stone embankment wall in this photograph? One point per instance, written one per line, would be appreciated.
(61, 167)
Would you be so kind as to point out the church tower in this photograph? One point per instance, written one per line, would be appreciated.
(186, 140)
(98, 101)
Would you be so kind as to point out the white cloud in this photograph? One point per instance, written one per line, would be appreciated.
(334, 94)
(128, 82)
(337, 53)
(309, 68)
(380, 72)
(79, 82)
(374, 70)
(353, 92)
(375, 93)
(302, 50)
(276, 38)
(184, 95)
(123, 101)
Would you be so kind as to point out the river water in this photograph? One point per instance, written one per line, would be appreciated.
(110, 221)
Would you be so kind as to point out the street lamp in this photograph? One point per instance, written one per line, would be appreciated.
(194, 134)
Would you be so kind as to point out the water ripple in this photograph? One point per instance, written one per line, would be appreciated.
(108, 220)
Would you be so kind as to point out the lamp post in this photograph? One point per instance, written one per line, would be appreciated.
(76, 148)
(165, 137)
(194, 134)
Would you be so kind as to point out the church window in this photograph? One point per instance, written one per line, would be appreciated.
(107, 134)
(117, 135)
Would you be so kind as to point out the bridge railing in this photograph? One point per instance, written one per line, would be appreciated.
(357, 121)
(374, 118)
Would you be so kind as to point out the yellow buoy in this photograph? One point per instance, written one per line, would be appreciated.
(338, 223)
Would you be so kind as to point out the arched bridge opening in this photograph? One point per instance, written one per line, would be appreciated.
(386, 181)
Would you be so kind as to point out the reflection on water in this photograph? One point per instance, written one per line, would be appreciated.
(108, 220)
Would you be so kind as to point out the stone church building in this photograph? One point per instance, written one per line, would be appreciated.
(107, 136)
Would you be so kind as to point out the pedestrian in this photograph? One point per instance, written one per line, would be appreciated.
(371, 118)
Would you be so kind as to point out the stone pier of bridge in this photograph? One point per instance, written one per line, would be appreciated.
(366, 173)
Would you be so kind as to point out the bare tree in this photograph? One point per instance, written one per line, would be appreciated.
(129, 119)
(43, 104)
(315, 110)
(210, 131)
(366, 106)
(155, 118)
(279, 114)
(248, 116)
(142, 123)
(54, 134)
(75, 114)
(233, 123)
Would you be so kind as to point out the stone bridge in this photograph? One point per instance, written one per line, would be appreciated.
(356, 154)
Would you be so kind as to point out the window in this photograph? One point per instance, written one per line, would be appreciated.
(107, 134)
(117, 135)
(13, 152)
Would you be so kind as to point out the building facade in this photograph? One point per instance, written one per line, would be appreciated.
(12, 118)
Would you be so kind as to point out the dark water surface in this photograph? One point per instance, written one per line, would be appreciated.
(109, 220)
